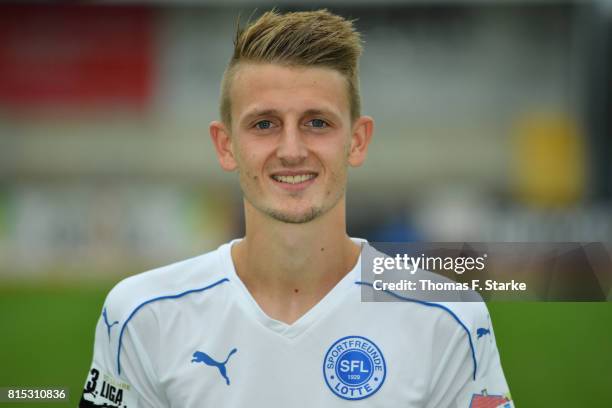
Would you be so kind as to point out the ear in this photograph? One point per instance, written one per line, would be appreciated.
(223, 145)
(363, 128)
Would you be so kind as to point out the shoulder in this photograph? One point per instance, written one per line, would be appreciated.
(471, 315)
(197, 274)
(471, 318)
(464, 322)
(131, 296)
(467, 314)
(454, 328)
(449, 326)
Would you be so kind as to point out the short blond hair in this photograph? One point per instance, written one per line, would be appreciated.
(305, 39)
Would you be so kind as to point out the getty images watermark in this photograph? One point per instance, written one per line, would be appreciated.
(457, 264)
(489, 271)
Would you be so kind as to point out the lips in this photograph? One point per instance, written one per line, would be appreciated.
(294, 180)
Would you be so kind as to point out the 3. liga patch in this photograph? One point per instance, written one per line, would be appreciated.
(354, 368)
(105, 390)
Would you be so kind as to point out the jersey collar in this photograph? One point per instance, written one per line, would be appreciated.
(326, 305)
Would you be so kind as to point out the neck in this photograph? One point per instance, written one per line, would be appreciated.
(288, 268)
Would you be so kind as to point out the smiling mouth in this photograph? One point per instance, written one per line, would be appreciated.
(296, 179)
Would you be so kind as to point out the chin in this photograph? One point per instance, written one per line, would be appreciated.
(295, 217)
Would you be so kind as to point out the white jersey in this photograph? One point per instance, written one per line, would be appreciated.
(190, 335)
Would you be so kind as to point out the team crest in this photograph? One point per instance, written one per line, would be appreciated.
(354, 368)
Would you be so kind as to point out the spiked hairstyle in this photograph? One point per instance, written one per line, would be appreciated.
(301, 39)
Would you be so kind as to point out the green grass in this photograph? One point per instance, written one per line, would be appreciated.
(554, 354)
(47, 337)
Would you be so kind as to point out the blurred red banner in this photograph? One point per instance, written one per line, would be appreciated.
(75, 56)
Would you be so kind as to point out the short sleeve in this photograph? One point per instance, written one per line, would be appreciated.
(469, 373)
(121, 373)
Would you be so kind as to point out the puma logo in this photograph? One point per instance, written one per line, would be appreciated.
(200, 357)
(482, 331)
(108, 325)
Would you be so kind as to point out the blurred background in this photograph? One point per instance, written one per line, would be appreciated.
(493, 123)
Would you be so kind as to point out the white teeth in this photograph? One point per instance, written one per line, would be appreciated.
(294, 179)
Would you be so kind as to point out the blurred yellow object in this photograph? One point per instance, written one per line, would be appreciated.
(549, 166)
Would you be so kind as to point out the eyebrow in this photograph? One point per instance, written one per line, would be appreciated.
(324, 112)
(257, 113)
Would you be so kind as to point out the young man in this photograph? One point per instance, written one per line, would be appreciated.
(275, 319)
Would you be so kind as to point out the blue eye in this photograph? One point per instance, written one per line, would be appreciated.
(263, 125)
(318, 123)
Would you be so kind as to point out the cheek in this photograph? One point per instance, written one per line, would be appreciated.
(254, 155)
(249, 164)
(338, 158)
(337, 166)
(248, 175)
(246, 158)
(335, 153)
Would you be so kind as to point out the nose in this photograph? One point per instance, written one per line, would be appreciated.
(291, 148)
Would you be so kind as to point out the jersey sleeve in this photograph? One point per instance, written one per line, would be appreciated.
(122, 373)
(469, 373)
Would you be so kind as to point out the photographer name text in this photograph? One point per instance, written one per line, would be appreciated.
(429, 285)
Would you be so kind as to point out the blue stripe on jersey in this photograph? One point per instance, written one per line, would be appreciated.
(407, 299)
(151, 301)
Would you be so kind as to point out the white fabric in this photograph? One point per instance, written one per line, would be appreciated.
(200, 306)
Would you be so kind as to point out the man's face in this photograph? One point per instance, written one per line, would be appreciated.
(291, 137)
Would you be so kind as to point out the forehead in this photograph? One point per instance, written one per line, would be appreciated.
(264, 86)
